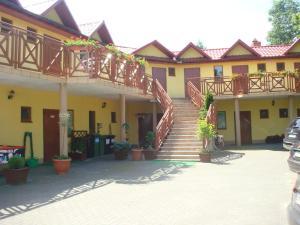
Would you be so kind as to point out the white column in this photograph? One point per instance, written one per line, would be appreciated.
(63, 130)
(154, 116)
(237, 122)
(291, 108)
(123, 116)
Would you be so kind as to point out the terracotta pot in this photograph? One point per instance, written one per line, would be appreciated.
(77, 156)
(137, 154)
(149, 154)
(16, 176)
(120, 155)
(205, 157)
(61, 166)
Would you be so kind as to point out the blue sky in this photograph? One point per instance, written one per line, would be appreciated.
(133, 23)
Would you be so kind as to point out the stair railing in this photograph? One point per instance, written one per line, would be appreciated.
(194, 94)
(167, 120)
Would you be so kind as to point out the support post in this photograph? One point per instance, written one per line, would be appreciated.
(154, 116)
(123, 117)
(291, 108)
(63, 128)
(237, 122)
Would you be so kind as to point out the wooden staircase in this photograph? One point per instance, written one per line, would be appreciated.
(182, 142)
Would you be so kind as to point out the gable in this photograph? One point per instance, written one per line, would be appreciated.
(239, 50)
(96, 36)
(295, 48)
(151, 50)
(52, 15)
(191, 53)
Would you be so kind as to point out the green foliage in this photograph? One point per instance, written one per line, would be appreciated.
(126, 127)
(202, 113)
(209, 99)
(122, 146)
(149, 139)
(200, 44)
(82, 42)
(205, 130)
(16, 162)
(284, 16)
(61, 157)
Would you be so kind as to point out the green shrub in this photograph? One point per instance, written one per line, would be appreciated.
(209, 98)
(149, 139)
(16, 162)
(122, 146)
(202, 113)
(205, 129)
(61, 157)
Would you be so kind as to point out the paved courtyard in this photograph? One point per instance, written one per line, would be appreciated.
(241, 187)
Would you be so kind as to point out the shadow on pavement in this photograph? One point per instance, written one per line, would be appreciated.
(223, 157)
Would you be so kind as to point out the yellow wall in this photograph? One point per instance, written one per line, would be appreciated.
(239, 50)
(296, 48)
(191, 53)
(261, 128)
(152, 51)
(52, 15)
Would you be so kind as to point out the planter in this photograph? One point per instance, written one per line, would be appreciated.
(61, 166)
(120, 155)
(77, 156)
(16, 176)
(137, 154)
(149, 154)
(205, 157)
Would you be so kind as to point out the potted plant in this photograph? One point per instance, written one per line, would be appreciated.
(17, 172)
(79, 44)
(62, 164)
(121, 150)
(205, 132)
(78, 149)
(136, 153)
(149, 151)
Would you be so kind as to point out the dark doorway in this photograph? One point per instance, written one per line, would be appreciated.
(246, 136)
(193, 75)
(51, 133)
(144, 125)
(92, 122)
(161, 75)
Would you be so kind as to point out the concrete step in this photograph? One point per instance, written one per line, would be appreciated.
(182, 144)
(180, 148)
(179, 157)
(187, 132)
(183, 141)
(173, 153)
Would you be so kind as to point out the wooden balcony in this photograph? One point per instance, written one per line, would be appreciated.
(27, 51)
(250, 85)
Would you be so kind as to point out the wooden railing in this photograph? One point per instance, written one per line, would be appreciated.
(194, 94)
(166, 122)
(26, 50)
(211, 116)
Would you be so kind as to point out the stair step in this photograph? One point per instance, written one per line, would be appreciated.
(178, 157)
(182, 141)
(174, 153)
(175, 144)
(180, 148)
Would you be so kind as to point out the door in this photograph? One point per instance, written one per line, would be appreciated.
(193, 75)
(240, 69)
(144, 124)
(52, 56)
(51, 133)
(246, 137)
(92, 122)
(161, 75)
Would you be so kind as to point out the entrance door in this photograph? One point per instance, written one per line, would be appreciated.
(52, 55)
(145, 124)
(92, 122)
(51, 133)
(241, 69)
(161, 75)
(193, 75)
(246, 137)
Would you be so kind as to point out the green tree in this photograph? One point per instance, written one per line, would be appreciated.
(200, 44)
(284, 16)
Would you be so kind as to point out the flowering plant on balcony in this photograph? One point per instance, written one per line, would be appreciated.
(82, 43)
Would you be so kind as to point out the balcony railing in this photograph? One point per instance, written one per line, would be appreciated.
(29, 51)
(246, 84)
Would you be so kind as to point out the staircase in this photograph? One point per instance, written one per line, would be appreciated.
(182, 142)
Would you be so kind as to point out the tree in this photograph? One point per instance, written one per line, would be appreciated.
(284, 16)
(200, 44)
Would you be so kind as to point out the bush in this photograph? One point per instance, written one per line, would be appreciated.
(149, 139)
(122, 146)
(209, 98)
(205, 129)
(202, 113)
(16, 162)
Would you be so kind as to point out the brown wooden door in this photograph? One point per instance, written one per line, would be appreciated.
(92, 122)
(240, 69)
(51, 133)
(52, 56)
(161, 75)
(145, 124)
(246, 136)
(193, 75)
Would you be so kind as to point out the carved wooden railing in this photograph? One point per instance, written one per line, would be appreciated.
(211, 116)
(166, 122)
(26, 50)
(194, 94)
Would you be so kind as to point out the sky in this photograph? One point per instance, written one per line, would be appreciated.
(174, 23)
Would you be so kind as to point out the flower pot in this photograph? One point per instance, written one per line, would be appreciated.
(77, 156)
(120, 155)
(137, 154)
(16, 176)
(205, 157)
(61, 166)
(149, 154)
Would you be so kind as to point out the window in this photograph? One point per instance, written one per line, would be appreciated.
(113, 117)
(298, 112)
(280, 66)
(171, 71)
(31, 34)
(264, 113)
(283, 113)
(26, 114)
(261, 67)
(218, 71)
(6, 25)
(221, 120)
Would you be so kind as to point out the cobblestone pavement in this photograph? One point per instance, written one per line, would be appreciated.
(241, 187)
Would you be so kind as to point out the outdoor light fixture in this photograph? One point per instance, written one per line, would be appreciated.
(103, 105)
(273, 102)
(11, 94)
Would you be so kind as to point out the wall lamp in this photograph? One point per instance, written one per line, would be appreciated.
(11, 94)
(103, 105)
